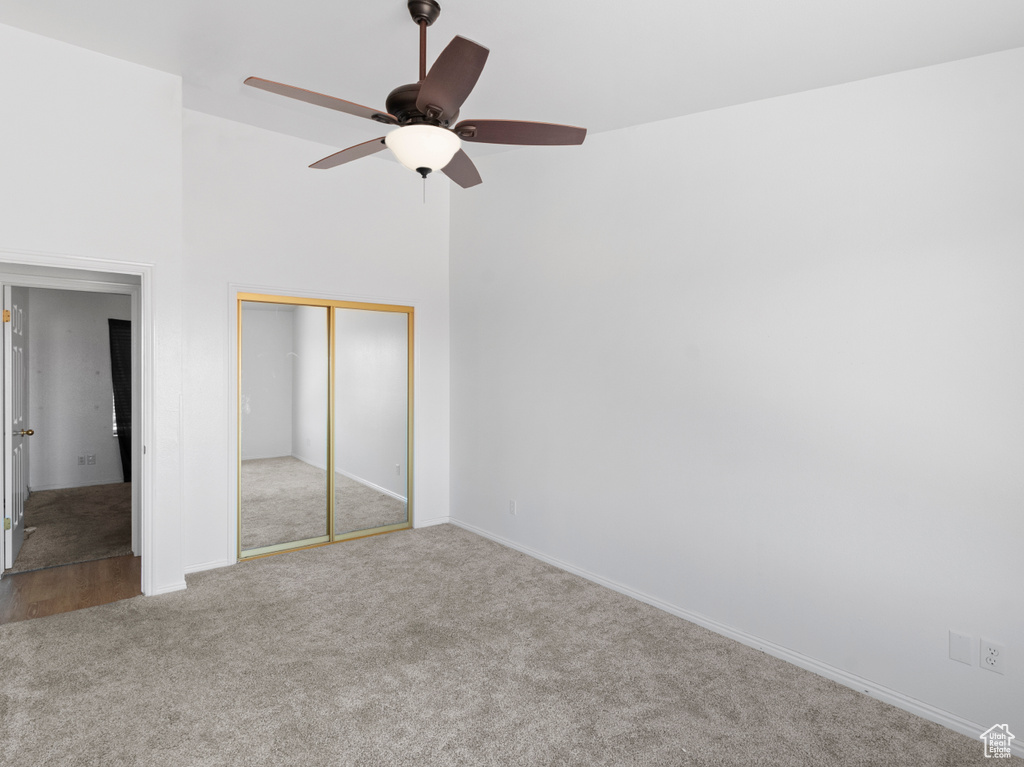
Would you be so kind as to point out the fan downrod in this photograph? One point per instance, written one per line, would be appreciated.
(424, 11)
(401, 102)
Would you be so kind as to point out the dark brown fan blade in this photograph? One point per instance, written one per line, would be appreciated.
(462, 171)
(352, 153)
(519, 132)
(451, 79)
(311, 97)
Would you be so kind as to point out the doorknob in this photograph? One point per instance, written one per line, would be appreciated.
(27, 432)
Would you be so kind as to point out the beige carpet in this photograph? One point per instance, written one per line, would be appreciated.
(424, 647)
(76, 524)
(285, 499)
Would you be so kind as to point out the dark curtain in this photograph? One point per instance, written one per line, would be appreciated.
(121, 374)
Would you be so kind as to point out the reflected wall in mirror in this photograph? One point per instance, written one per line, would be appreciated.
(371, 416)
(322, 383)
(283, 424)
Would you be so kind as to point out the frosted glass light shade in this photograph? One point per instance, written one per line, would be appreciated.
(423, 146)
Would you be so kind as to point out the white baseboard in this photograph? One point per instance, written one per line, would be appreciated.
(170, 587)
(65, 486)
(353, 477)
(207, 566)
(885, 694)
(372, 486)
(418, 523)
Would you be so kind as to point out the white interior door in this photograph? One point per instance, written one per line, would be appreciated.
(15, 429)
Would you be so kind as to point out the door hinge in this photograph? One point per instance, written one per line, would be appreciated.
(7, 315)
(7, 523)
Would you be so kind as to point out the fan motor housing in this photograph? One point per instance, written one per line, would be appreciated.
(401, 103)
(424, 10)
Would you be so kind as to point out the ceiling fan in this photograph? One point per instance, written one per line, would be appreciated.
(424, 140)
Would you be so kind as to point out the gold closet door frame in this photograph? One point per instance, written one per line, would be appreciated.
(330, 305)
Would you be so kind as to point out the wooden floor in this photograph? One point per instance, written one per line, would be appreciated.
(70, 587)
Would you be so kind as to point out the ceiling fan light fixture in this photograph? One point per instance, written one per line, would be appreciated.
(423, 148)
(423, 111)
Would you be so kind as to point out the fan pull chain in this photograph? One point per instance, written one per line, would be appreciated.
(424, 190)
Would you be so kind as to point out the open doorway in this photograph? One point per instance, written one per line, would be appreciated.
(76, 350)
(71, 394)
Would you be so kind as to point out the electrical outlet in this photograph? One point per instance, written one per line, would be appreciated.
(512, 508)
(81, 460)
(993, 656)
(91, 459)
(398, 469)
(960, 648)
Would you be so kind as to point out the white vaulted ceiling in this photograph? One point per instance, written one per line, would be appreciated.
(593, 64)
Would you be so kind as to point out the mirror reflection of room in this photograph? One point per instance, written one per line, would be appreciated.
(283, 413)
(284, 416)
(370, 419)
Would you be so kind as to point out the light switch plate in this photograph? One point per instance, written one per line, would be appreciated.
(961, 648)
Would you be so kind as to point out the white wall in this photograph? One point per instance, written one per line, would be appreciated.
(763, 365)
(371, 392)
(91, 158)
(265, 409)
(258, 219)
(309, 407)
(70, 389)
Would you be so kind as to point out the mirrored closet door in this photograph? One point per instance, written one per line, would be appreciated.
(322, 384)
